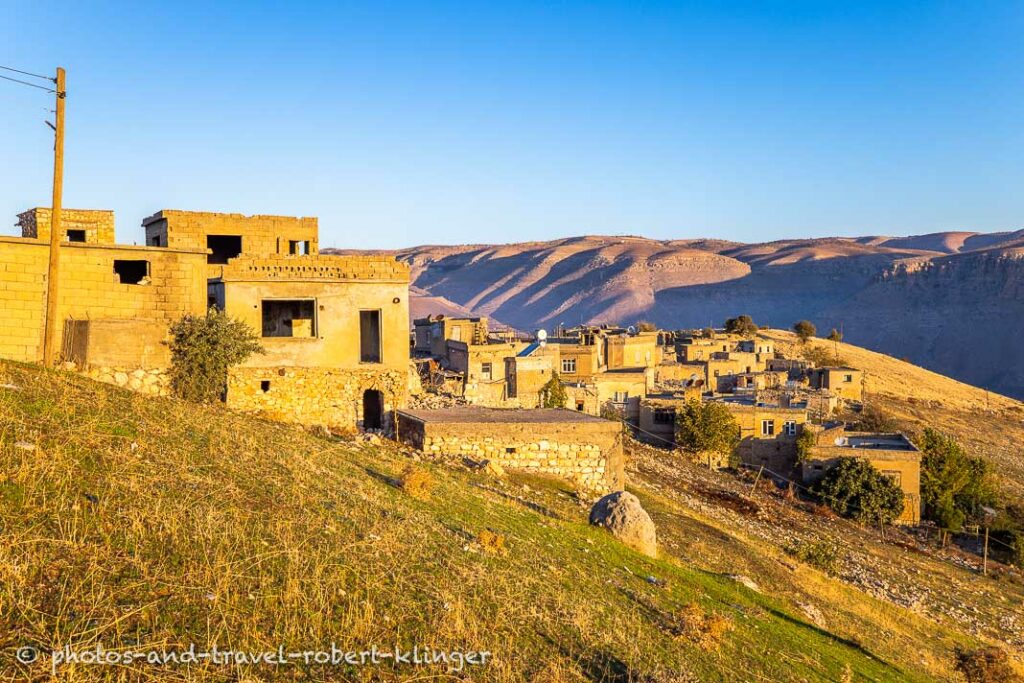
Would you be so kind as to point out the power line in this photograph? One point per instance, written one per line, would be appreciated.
(31, 85)
(28, 73)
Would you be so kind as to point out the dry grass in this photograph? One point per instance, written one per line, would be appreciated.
(417, 482)
(142, 523)
(703, 628)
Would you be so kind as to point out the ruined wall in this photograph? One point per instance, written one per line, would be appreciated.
(589, 453)
(332, 397)
(89, 288)
(97, 226)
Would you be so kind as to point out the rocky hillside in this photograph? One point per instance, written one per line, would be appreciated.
(948, 301)
(136, 523)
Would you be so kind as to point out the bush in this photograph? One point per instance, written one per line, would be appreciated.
(823, 555)
(874, 419)
(646, 326)
(804, 443)
(835, 335)
(954, 485)
(984, 665)
(1008, 529)
(742, 325)
(703, 628)
(855, 489)
(203, 349)
(417, 482)
(821, 356)
(805, 329)
(706, 427)
(553, 394)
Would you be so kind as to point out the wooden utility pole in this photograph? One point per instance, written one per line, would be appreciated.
(984, 556)
(56, 232)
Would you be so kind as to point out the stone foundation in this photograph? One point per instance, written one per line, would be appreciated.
(151, 381)
(316, 396)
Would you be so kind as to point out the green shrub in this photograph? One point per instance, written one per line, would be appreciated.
(954, 486)
(805, 329)
(742, 325)
(824, 555)
(553, 394)
(874, 419)
(804, 443)
(855, 489)
(706, 427)
(985, 665)
(203, 348)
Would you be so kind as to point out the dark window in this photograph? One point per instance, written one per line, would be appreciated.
(298, 247)
(369, 336)
(156, 241)
(373, 409)
(265, 386)
(664, 416)
(579, 407)
(510, 450)
(485, 370)
(289, 318)
(76, 235)
(223, 247)
(132, 272)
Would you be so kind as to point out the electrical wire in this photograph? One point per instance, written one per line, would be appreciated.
(31, 85)
(28, 73)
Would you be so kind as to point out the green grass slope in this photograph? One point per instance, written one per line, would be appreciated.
(143, 524)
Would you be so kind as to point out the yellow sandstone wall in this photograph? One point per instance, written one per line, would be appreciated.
(97, 224)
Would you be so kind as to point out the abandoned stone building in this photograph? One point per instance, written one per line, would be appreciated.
(557, 442)
(335, 329)
(845, 382)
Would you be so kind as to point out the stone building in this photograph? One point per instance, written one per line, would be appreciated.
(767, 433)
(563, 443)
(894, 455)
(335, 329)
(845, 382)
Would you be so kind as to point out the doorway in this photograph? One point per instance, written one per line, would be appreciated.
(373, 409)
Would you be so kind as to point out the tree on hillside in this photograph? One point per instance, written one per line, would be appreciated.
(742, 325)
(553, 394)
(954, 486)
(706, 428)
(805, 329)
(708, 332)
(855, 489)
(203, 349)
(835, 335)
(646, 326)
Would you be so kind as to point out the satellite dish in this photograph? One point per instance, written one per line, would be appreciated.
(542, 335)
(631, 329)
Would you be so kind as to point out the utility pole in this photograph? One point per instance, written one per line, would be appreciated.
(984, 557)
(56, 233)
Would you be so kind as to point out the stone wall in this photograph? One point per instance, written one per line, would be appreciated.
(97, 226)
(152, 381)
(332, 397)
(589, 453)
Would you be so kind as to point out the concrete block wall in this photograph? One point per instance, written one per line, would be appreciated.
(98, 225)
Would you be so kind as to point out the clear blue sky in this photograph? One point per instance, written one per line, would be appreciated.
(400, 124)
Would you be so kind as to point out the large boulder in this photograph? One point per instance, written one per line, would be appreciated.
(621, 513)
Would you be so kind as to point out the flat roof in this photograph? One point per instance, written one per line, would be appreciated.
(477, 414)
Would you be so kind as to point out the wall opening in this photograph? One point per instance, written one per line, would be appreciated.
(289, 317)
(155, 241)
(373, 409)
(132, 272)
(265, 386)
(76, 235)
(369, 336)
(298, 247)
(223, 248)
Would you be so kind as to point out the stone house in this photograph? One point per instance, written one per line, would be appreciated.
(845, 382)
(767, 433)
(335, 329)
(894, 455)
(563, 443)
(619, 391)
(483, 369)
(639, 350)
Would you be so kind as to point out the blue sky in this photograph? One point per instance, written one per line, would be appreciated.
(409, 123)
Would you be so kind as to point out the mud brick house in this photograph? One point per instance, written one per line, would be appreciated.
(563, 443)
(894, 455)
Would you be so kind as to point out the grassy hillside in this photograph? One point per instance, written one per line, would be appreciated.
(141, 523)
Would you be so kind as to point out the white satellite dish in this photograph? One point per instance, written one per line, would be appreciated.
(542, 336)
(631, 329)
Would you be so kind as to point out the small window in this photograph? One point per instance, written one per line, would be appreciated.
(369, 336)
(789, 427)
(848, 378)
(298, 247)
(223, 248)
(664, 416)
(289, 318)
(893, 475)
(265, 386)
(132, 272)
(510, 450)
(76, 235)
(155, 242)
(621, 397)
(569, 366)
(579, 406)
(485, 370)
(767, 427)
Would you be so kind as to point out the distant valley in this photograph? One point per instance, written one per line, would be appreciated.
(952, 302)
